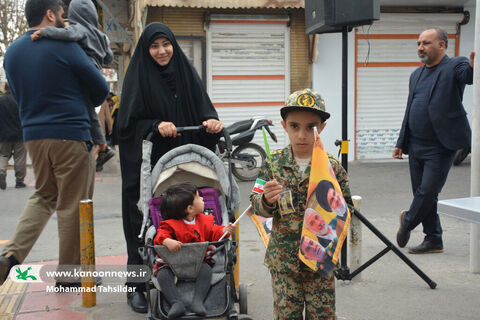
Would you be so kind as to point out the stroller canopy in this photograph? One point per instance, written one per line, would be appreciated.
(192, 163)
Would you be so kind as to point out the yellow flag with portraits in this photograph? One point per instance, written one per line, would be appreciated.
(326, 218)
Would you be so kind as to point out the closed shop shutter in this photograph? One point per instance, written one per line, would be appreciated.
(248, 69)
(386, 55)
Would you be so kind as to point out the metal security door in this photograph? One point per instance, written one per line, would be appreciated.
(248, 69)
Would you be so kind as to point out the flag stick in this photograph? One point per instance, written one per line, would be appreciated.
(267, 149)
(241, 216)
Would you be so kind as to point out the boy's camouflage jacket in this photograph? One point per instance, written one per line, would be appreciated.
(282, 251)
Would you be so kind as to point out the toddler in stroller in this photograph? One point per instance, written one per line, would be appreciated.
(200, 166)
(184, 222)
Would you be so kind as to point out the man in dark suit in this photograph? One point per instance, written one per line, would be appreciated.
(434, 127)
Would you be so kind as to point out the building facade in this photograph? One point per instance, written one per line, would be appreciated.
(381, 58)
(250, 54)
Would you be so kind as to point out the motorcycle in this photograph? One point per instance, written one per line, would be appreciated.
(247, 157)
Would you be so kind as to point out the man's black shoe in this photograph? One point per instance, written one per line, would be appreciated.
(5, 265)
(20, 184)
(4, 269)
(426, 247)
(3, 180)
(103, 157)
(137, 301)
(403, 235)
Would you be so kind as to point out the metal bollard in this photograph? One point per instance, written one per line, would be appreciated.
(87, 253)
(356, 239)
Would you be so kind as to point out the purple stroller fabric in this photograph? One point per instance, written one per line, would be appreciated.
(154, 205)
(210, 199)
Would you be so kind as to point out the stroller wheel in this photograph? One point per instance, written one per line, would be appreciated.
(242, 299)
(233, 315)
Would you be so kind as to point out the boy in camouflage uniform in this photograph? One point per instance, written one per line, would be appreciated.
(295, 286)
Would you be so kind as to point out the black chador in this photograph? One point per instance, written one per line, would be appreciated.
(152, 94)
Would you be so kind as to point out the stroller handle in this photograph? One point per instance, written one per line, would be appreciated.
(194, 129)
(191, 129)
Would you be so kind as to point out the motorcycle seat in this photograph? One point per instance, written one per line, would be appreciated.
(239, 126)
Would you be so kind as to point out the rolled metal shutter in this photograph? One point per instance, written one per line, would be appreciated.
(386, 55)
(248, 69)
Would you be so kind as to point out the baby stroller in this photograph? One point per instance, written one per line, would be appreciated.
(202, 167)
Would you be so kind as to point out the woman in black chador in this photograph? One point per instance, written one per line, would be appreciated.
(161, 91)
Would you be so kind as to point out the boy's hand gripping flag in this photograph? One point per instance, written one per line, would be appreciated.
(326, 218)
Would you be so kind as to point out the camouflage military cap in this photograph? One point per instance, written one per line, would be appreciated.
(305, 100)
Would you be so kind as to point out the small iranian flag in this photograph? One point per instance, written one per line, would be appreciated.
(259, 186)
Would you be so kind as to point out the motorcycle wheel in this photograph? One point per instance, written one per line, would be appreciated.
(460, 156)
(254, 155)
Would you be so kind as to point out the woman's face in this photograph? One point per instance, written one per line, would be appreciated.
(161, 51)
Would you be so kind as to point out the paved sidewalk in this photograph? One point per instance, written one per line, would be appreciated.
(32, 301)
(388, 289)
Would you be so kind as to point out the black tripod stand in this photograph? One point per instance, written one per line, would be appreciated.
(343, 273)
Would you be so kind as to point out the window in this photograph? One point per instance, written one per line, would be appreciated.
(194, 49)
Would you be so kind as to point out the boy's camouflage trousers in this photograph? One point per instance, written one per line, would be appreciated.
(294, 291)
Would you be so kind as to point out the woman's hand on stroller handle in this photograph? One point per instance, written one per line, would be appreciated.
(167, 129)
(230, 228)
(213, 126)
(172, 245)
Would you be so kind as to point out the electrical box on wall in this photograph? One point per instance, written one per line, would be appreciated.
(322, 16)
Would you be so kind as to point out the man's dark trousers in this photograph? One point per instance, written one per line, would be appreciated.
(429, 167)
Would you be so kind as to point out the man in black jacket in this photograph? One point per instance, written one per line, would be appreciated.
(11, 140)
(434, 127)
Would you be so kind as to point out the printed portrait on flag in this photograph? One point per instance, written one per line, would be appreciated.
(326, 217)
(264, 227)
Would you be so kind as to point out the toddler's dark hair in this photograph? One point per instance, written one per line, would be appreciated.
(176, 200)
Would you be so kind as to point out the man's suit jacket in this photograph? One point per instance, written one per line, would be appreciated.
(445, 108)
